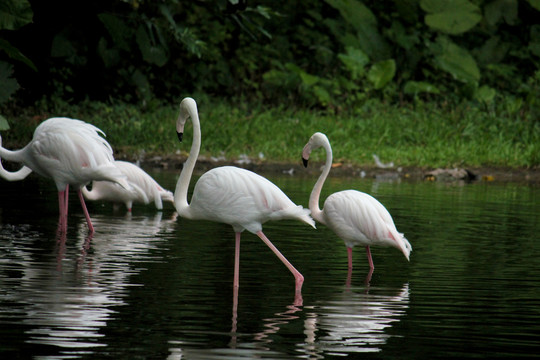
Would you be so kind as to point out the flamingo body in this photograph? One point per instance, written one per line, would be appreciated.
(242, 199)
(360, 219)
(233, 196)
(144, 188)
(71, 152)
(356, 217)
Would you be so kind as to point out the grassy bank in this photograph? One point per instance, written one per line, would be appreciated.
(424, 135)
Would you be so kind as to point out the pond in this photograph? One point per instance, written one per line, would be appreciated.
(150, 285)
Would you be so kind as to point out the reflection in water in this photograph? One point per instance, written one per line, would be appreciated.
(141, 288)
(66, 299)
(353, 321)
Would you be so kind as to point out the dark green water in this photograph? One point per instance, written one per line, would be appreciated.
(151, 286)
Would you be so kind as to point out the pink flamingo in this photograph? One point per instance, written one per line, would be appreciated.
(144, 188)
(233, 196)
(356, 217)
(70, 152)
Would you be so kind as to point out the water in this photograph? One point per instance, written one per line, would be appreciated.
(153, 286)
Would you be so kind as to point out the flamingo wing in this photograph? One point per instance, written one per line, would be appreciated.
(243, 199)
(359, 218)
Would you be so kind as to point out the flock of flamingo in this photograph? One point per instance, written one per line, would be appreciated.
(73, 152)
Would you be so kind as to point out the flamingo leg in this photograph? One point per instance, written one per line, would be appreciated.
(85, 210)
(62, 204)
(66, 202)
(236, 282)
(349, 256)
(299, 278)
(370, 260)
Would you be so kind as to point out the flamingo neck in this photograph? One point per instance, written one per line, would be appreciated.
(182, 186)
(11, 155)
(316, 212)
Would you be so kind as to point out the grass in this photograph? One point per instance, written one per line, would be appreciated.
(425, 135)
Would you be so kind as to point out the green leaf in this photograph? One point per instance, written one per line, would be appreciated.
(152, 53)
(381, 73)
(354, 12)
(485, 94)
(534, 43)
(15, 54)
(14, 14)
(4, 125)
(501, 9)
(492, 51)
(8, 85)
(354, 60)
(535, 4)
(117, 29)
(322, 95)
(455, 60)
(62, 47)
(364, 21)
(451, 16)
(308, 79)
(110, 57)
(416, 87)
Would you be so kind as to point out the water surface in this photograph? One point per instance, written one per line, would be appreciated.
(152, 285)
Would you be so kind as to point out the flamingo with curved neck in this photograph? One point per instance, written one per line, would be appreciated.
(233, 196)
(71, 152)
(356, 217)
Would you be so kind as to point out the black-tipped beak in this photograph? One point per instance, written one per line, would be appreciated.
(180, 135)
(305, 162)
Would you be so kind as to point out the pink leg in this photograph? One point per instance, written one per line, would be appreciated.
(299, 279)
(349, 256)
(62, 219)
(370, 260)
(236, 282)
(66, 202)
(85, 210)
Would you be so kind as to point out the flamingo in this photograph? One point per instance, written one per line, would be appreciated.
(71, 152)
(145, 188)
(233, 196)
(356, 217)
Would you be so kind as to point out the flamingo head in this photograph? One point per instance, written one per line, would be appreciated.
(188, 109)
(315, 141)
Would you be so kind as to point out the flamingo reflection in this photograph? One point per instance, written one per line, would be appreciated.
(57, 309)
(354, 321)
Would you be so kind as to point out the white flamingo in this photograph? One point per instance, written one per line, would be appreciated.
(356, 217)
(71, 152)
(145, 188)
(233, 196)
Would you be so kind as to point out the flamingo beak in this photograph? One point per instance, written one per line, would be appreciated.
(305, 161)
(180, 135)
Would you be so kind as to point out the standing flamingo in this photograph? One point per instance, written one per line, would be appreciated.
(356, 217)
(70, 152)
(145, 189)
(233, 196)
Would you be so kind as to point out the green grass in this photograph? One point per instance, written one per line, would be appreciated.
(427, 135)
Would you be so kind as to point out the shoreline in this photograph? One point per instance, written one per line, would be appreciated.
(496, 174)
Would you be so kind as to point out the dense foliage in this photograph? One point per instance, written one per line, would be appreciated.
(328, 54)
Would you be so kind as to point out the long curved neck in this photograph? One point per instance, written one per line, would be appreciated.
(11, 155)
(316, 212)
(182, 186)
